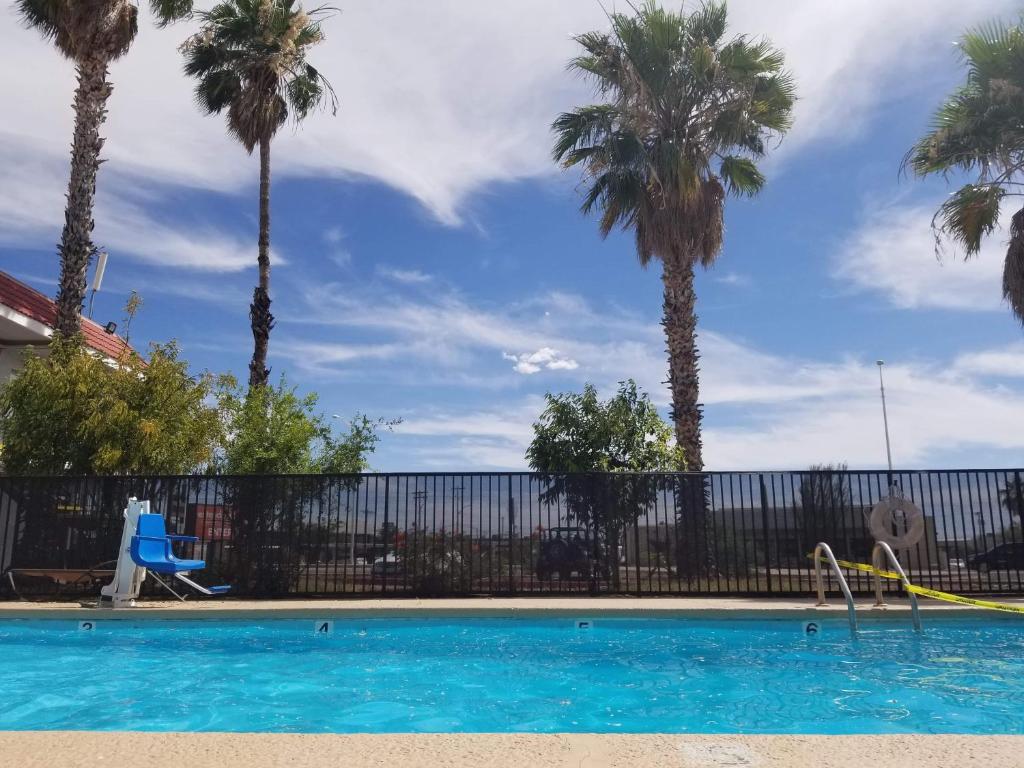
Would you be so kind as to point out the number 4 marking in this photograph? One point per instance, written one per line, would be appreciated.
(323, 627)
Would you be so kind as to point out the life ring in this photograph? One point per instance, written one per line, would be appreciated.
(884, 519)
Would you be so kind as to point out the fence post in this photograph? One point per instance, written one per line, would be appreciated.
(384, 529)
(764, 533)
(511, 536)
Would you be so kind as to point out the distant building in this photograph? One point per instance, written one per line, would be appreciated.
(27, 318)
(748, 534)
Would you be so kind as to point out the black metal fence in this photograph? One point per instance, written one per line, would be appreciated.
(737, 533)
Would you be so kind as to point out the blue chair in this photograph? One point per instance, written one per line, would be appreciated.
(152, 549)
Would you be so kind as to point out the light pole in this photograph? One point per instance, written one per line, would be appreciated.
(885, 418)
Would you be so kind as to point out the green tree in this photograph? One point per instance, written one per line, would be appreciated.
(684, 114)
(825, 509)
(272, 430)
(578, 432)
(578, 437)
(275, 431)
(72, 412)
(92, 34)
(979, 130)
(250, 60)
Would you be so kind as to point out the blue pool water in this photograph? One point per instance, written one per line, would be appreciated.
(503, 675)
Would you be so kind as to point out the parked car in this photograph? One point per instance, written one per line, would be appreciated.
(1003, 557)
(567, 550)
(388, 565)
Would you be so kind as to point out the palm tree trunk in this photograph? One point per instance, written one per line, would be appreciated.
(259, 312)
(680, 322)
(76, 247)
(695, 549)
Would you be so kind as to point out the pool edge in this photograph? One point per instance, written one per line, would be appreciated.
(71, 749)
(698, 608)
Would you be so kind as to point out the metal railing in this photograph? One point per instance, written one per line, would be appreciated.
(851, 610)
(879, 549)
(512, 533)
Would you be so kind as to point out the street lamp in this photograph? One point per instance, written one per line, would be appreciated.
(885, 417)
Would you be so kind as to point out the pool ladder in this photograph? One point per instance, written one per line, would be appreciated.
(883, 548)
(820, 548)
(880, 548)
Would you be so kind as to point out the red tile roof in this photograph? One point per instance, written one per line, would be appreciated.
(37, 306)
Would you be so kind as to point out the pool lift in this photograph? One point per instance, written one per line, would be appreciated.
(146, 548)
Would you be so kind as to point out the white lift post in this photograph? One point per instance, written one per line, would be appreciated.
(128, 577)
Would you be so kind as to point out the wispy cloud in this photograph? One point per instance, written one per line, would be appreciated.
(893, 254)
(732, 278)
(408, 276)
(763, 409)
(472, 89)
(1006, 362)
(32, 211)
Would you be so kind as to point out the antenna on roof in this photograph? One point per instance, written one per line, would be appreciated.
(97, 278)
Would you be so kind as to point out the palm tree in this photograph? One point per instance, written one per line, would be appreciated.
(91, 33)
(684, 115)
(250, 59)
(1011, 496)
(980, 130)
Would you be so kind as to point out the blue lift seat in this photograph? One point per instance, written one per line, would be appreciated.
(152, 547)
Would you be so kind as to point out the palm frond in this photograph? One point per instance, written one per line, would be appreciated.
(677, 98)
(583, 127)
(741, 176)
(304, 92)
(1013, 267)
(708, 22)
(167, 11)
(42, 15)
(250, 59)
(971, 213)
(81, 30)
(217, 89)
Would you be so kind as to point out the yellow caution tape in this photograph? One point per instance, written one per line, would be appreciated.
(963, 600)
(924, 591)
(862, 567)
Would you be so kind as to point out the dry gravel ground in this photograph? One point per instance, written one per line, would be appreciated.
(261, 750)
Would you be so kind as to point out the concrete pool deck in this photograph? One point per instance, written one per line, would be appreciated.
(39, 749)
(608, 606)
(88, 749)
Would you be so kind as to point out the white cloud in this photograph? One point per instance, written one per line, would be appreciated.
(456, 95)
(933, 413)
(732, 278)
(329, 359)
(32, 212)
(334, 235)
(893, 253)
(764, 410)
(408, 276)
(490, 438)
(543, 358)
(1006, 362)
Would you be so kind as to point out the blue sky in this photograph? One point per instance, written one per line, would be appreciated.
(431, 263)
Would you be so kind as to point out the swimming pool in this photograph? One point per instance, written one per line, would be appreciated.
(513, 675)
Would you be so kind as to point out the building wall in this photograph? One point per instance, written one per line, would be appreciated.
(11, 356)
